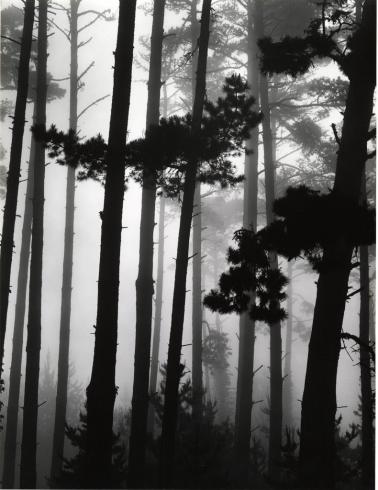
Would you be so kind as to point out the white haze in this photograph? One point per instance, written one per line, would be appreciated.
(89, 201)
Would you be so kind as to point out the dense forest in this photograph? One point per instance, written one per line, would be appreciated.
(187, 262)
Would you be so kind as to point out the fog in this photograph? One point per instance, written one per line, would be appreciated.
(98, 83)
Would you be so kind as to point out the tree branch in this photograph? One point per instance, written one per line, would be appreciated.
(92, 104)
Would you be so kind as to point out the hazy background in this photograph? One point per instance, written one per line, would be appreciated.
(89, 202)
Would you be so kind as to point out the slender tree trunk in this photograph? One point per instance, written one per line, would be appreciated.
(247, 326)
(65, 312)
(197, 386)
(144, 282)
(28, 473)
(10, 207)
(157, 322)
(317, 451)
(101, 391)
(158, 297)
(174, 366)
(275, 416)
(288, 383)
(10, 445)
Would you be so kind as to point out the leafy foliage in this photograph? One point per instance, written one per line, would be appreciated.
(333, 35)
(250, 271)
(308, 221)
(73, 473)
(200, 462)
(171, 144)
(215, 349)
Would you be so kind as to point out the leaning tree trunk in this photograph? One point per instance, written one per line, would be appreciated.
(10, 207)
(28, 470)
(288, 383)
(144, 282)
(65, 312)
(167, 454)
(10, 444)
(101, 391)
(247, 325)
(317, 451)
(275, 414)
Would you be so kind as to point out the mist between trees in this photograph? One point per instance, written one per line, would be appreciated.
(187, 264)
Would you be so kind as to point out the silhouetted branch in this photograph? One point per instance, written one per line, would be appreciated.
(92, 104)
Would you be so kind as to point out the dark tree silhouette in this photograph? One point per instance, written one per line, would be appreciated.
(357, 62)
(6, 252)
(29, 428)
(173, 364)
(144, 282)
(101, 391)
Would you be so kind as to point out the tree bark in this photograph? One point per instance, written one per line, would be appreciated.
(144, 282)
(10, 445)
(244, 390)
(28, 470)
(10, 207)
(101, 391)
(166, 462)
(65, 312)
(288, 383)
(317, 451)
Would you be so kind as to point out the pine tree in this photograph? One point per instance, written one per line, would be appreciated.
(144, 282)
(357, 62)
(101, 391)
(178, 307)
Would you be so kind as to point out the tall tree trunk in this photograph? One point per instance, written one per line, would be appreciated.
(144, 282)
(10, 445)
(288, 383)
(10, 207)
(28, 473)
(157, 321)
(317, 451)
(65, 312)
(197, 386)
(166, 462)
(158, 297)
(101, 391)
(275, 415)
(247, 326)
